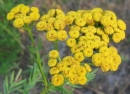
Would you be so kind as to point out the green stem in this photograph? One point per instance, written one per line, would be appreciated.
(56, 45)
(40, 68)
(38, 58)
(56, 48)
(31, 36)
(46, 90)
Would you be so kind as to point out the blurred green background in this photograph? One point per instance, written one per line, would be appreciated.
(13, 43)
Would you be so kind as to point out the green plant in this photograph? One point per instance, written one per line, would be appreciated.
(88, 37)
(10, 44)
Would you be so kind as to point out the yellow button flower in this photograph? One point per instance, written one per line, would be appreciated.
(97, 59)
(117, 59)
(57, 80)
(113, 23)
(59, 11)
(66, 72)
(97, 10)
(51, 12)
(62, 35)
(89, 35)
(82, 80)
(88, 17)
(74, 33)
(34, 16)
(54, 70)
(34, 9)
(113, 67)
(61, 66)
(20, 15)
(41, 25)
(80, 22)
(88, 52)
(83, 38)
(103, 43)
(100, 31)
(68, 58)
(53, 54)
(88, 68)
(116, 37)
(75, 49)
(18, 22)
(105, 67)
(104, 50)
(70, 42)
(121, 24)
(97, 16)
(27, 19)
(105, 21)
(109, 30)
(79, 56)
(71, 13)
(51, 20)
(77, 15)
(15, 10)
(52, 62)
(61, 17)
(84, 29)
(51, 35)
(105, 38)
(90, 44)
(92, 29)
(59, 24)
(49, 26)
(10, 16)
(45, 17)
(25, 9)
(69, 20)
(82, 45)
(75, 27)
(113, 50)
(73, 79)
(81, 71)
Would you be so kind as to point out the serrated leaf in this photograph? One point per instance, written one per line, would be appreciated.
(39, 44)
(12, 78)
(91, 75)
(75, 86)
(32, 49)
(15, 88)
(18, 83)
(6, 83)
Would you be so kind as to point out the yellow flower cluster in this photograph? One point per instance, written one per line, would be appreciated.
(88, 37)
(22, 14)
(107, 58)
(90, 32)
(68, 68)
(53, 23)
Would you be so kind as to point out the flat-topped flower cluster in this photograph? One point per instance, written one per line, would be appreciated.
(86, 32)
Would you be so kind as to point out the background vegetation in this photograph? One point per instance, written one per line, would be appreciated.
(14, 54)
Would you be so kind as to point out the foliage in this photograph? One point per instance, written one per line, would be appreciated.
(15, 84)
(10, 44)
(87, 38)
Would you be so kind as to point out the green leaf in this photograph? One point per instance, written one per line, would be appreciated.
(6, 83)
(12, 78)
(32, 49)
(91, 75)
(75, 86)
(39, 44)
